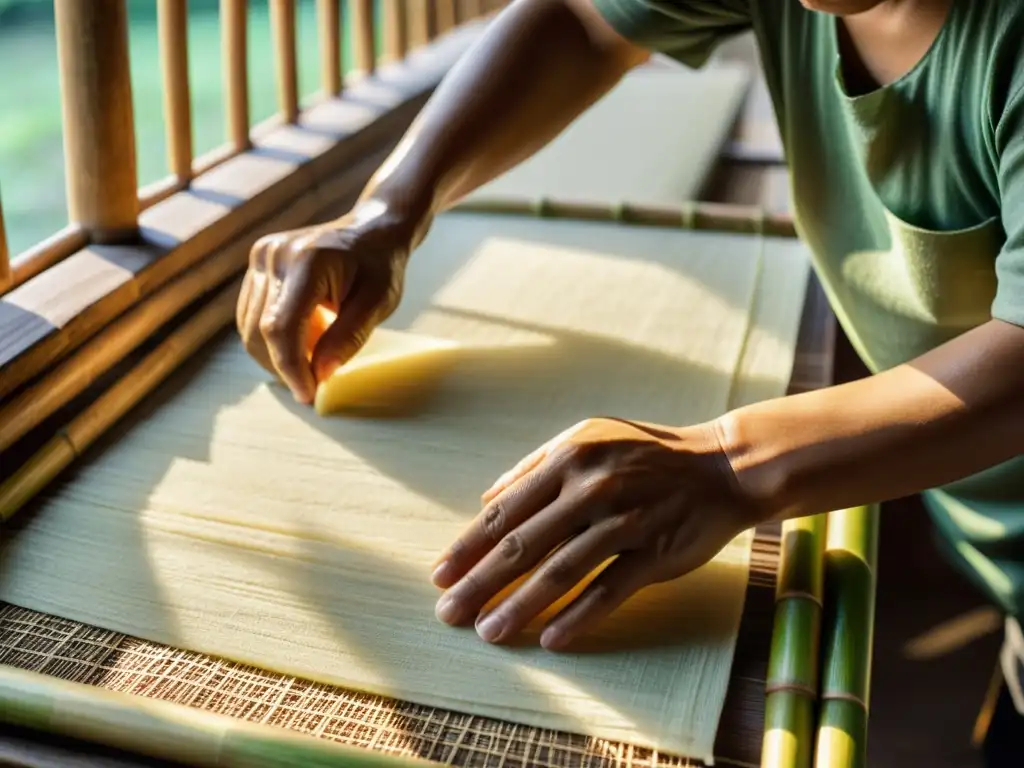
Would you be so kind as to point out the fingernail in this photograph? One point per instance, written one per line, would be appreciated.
(551, 638)
(447, 610)
(490, 628)
(440, 573)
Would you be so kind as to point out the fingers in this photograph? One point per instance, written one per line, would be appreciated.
(498, 519)
(349, 331)
(625, 576)
(284, 326)
(528, 464)
(553, 580)
(250, 314)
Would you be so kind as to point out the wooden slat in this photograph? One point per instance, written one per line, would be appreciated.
(44, 320)
(172, 24)
(99, 132)
(419, 16)
(5, 255)
(396, 29)
(234, 41)
(444, 15)
(46, 253)
(467, 10)
(328, 19)
(282, 23)
(365, 47)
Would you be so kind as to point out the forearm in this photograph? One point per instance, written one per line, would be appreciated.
(537, 67)
(947, 415)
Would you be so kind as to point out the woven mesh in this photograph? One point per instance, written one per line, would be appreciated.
(80, 653)
(73, 651)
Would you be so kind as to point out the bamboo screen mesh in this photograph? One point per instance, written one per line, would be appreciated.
(77, 652)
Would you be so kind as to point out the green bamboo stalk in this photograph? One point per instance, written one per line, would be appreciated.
(702, 216)
(851, 556)
(792, 685)
(167, 731)
(143, 378)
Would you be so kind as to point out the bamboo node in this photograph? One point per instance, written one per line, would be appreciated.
(803, 690)
(843, 696)
(688, 215)
(798, 594)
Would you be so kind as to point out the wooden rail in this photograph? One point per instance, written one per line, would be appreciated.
(104, 202)
(136, 257)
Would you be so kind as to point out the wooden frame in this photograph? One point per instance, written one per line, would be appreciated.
(138, 259)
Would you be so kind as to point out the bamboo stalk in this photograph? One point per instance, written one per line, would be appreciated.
(172, 24)
(171, 732)
(364, 40)
(444, 15)
(720, 217)
(46, 253)
(115, 342)
(143, 378)
(851, 557)
(6, 276)
(792, 684)
(96, 107)
(396, 29)
(282, 24)
(234, 40)
(329, 21)
(419, 24)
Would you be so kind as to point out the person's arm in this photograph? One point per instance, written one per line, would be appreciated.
(949, 414)
(537, 67)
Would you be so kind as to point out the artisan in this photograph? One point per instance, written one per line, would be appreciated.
(903, 124)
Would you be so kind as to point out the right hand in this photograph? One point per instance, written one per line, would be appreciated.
(354, 267)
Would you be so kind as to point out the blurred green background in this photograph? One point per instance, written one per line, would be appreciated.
(31, 148)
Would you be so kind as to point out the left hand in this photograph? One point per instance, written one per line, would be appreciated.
(660, 501)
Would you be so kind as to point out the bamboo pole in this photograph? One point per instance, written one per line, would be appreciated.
(719, 217)
(364, 40)
(419, 23)
(444, 15)
(97, 418)
(102, 352)
(6, 276)
(329, 22)
(99, 131)
(792, 685)
(172, 25)
(234, 40)
(851, 557)
(282, 24)
(396, 29)
(170, 732)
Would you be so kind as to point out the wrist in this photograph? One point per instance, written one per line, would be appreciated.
(758, 466)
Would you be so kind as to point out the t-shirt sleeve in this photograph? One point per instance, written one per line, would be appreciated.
(1009, 302)
(686, 30)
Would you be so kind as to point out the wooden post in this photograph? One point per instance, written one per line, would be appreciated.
(470, 9)
(99, 130)
(329, 22)
(444, 11)
(233, 20)
(419, 16)
(172, 23)
(363, 30)
(396, 29)
(5, 255)
(282, 23)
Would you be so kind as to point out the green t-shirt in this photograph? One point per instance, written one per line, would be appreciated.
(910, 197)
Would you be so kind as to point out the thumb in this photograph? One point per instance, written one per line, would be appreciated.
(348, 333)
